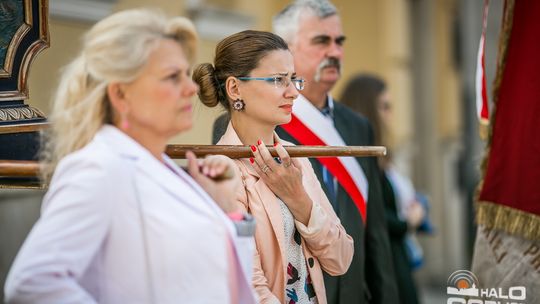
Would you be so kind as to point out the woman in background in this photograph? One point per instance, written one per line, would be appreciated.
(367, 94)
(298, 234)
(121, 223)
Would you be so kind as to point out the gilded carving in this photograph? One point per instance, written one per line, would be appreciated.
(20, 113)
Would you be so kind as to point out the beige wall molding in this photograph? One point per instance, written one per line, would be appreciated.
(82, 10)
(215, 23)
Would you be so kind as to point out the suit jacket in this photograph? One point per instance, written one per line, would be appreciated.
(117, 225)
(325, 243)
(370, 278)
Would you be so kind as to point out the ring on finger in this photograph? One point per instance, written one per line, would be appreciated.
(287, 165)
(265, 168)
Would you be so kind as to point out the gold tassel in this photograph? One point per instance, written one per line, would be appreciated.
(509, 220)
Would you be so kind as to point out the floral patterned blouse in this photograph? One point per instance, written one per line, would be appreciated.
(299, 288)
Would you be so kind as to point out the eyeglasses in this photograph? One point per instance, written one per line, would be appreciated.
(280, 81)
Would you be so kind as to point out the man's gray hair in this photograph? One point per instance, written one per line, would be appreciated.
(285, 23)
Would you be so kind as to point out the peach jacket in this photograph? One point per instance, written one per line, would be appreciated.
(325, 243)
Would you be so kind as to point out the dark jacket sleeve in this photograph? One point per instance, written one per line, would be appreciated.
(380, 274)
(396, 226)
(379, 271)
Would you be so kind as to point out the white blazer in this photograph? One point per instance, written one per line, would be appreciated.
(118, 226)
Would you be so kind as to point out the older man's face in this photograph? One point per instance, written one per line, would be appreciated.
(318, 50)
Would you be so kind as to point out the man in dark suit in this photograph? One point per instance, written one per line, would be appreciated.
(312, 28)
(313, 31)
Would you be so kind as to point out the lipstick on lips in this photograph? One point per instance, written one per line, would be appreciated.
(287, 108)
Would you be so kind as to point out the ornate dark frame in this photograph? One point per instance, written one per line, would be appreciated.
(20, 123)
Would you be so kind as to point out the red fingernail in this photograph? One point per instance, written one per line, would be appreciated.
(275, 144)
(251, 160)
(253, 148)
(259, 142)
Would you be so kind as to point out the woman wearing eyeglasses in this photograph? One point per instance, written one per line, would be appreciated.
(298, 235)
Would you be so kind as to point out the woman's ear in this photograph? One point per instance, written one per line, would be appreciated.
(116, 94)
(120, 105)
(232, 86)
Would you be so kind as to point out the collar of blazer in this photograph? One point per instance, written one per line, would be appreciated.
(146, 164)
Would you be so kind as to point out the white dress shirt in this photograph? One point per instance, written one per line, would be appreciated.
(118, 226)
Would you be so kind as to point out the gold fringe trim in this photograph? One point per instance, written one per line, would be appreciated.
(492, 215)
(509, 220)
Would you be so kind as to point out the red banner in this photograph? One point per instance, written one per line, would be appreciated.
(512, 174)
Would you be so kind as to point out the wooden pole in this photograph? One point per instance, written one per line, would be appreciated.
(179, 151)
(17, 168)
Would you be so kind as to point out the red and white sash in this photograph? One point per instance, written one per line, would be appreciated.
(310, 127)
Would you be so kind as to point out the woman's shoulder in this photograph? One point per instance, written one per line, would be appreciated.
(93, 163)
(90, 178)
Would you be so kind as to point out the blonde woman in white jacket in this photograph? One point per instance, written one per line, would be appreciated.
(121, 223)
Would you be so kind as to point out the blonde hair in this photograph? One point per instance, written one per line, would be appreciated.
(114, 50)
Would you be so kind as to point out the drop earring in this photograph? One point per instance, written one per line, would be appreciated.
(124, 122)
(238, 105)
